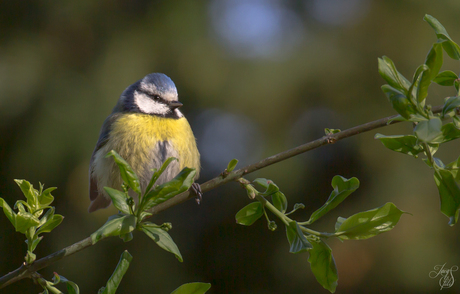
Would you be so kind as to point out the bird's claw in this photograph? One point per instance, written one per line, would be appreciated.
(196, 188)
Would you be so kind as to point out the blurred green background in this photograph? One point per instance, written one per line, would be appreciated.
(256, 77)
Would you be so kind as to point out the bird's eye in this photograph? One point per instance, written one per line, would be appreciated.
(156, 97)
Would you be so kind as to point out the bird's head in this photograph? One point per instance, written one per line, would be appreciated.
(155, 94)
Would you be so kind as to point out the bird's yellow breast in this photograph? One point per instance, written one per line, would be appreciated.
(134, 136)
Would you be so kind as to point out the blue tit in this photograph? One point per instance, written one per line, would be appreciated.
(145, 128)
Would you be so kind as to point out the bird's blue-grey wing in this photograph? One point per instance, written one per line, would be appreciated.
(99, 201)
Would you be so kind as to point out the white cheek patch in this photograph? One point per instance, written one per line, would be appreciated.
(178, 113)
(148, 105)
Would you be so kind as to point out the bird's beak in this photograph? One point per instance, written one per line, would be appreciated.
(175, 104)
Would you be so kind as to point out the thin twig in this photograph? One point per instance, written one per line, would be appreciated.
(329, 139)
(25, 271)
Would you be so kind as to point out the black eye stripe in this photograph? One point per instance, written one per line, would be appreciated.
(154, 97)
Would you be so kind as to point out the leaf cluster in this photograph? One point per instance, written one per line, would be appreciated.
(430, 130)
(34, 217)
(31, 218)
(132, 215)
(50, 286)
(362, 225)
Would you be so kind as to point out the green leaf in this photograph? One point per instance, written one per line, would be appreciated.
(50, 224)
(456, 121)
(436, 160)
(192, 288)
(342, 188)
(449, 193)
(144, 214)
(30, 257)
(322, 265)
(367, 224)
(8, 212)
(454, 168)
(45, 198)
(416, 82)
(451, 48)
(158, 173)
(20, 205)
(429, 131)
(446, 78)
(56, 279)
(231, 165)
(434, 62)
(262, 182)
(270, 187)
(35, 242)
(45, 290)
(121, 269)
(127, 237)
(24, 221)
(328, 131)
(397, 119)
(279, 201)
(48, 215)
(449, 132)
(119, 199)
(181, 183)
(116, 225)
(406, 144)
(249, 214)
(29, 192)
(339, 222)
(126, 172)
(399, 101)
(296, 238)
(72, 288)
(162, 238)
(433, 148)
(388, 71)
(450, 105)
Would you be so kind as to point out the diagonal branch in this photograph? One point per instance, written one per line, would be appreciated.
(329, 139)
(26, 271)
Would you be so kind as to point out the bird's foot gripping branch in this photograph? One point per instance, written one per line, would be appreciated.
(301, 238)
(431, 130)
